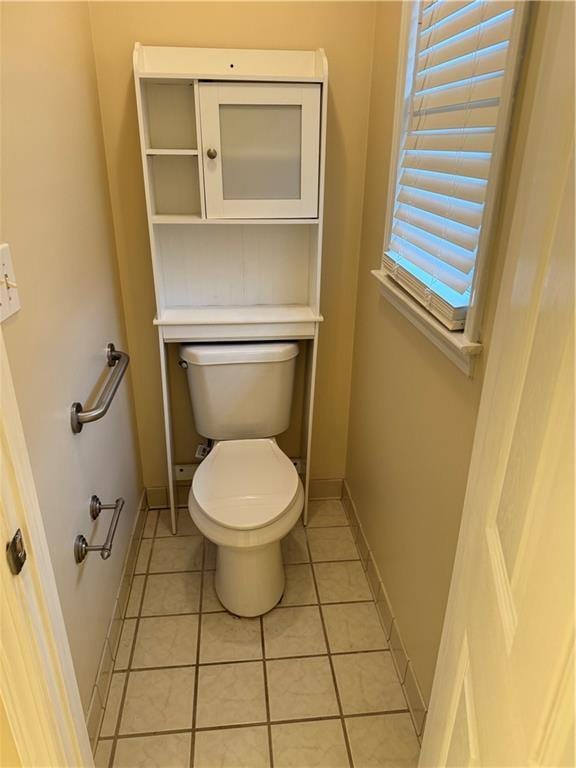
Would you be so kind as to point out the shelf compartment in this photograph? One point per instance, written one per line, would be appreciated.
(245, 265)
(171, 115)
(175, 185)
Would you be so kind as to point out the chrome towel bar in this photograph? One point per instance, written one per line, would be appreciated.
(78, 416)
(81, 546)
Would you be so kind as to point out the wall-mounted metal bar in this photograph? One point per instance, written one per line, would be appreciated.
(79, 417)
(81, 546)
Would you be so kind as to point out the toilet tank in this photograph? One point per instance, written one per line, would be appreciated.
(240, 391)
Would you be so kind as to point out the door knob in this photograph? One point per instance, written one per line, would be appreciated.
(211, 153)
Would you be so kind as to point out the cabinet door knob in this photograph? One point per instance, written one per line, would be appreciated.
(211, 153)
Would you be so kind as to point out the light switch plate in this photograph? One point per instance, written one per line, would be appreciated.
(9, 296)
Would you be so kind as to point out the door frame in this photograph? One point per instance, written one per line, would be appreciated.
(504, 378)
(39, 689)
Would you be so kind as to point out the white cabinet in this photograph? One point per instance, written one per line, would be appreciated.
(260, 149)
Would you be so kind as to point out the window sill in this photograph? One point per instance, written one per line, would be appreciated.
(453, 344)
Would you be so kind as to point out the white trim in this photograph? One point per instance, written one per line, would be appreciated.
(408, 19)
(39, 689)
(412, 692)
(454, 344)
(472, 326)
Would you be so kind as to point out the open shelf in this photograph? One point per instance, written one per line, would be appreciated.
(175, 185)
(171, 115)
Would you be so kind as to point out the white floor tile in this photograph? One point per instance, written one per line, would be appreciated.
(383, 741)
(293, 632)
(230, 694)
(318, 744)
(170, 750)
(341, 582)
(228, 638)
(166, 641)
(158, 700)
(353, 627)
(300, 688)
(331, 544)
(233, 748)
(171, 593)
(367, 682)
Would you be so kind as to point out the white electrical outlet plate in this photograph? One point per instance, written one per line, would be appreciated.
(9, 296)
(184, 471)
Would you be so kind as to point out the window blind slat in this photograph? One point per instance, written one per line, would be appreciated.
(423, 283)
(452, 231)
(429, 268)
(480, 117)
(464, 22)
(456, 141)
(445, 184)
(448, 96)
(458, 261)
(474, 164)
(497, 31)
(478, 63)
(440, 11)
(452, 208)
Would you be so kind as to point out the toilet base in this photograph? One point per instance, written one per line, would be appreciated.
(250, 581)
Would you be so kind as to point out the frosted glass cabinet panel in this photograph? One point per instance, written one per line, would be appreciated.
(260, 145)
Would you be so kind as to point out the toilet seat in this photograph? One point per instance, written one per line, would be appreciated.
(245, 485)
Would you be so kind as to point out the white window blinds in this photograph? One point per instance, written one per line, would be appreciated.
(460, 62)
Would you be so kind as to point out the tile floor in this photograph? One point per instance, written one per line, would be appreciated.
(309, 685)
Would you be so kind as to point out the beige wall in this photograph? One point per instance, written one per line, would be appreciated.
(345, 30)
(413, 413)
(56, 216)
(9, 757)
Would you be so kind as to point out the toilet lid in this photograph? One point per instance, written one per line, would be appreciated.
(245, 484)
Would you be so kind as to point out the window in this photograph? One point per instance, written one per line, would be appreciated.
(459, 72)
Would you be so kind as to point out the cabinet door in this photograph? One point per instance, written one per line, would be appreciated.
(260, 149)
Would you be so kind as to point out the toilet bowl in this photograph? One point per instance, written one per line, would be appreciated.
(246, 495)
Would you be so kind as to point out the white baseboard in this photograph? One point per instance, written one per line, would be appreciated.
(110, 647)
(404, 668)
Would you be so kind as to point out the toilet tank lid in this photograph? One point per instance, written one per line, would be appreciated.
(222, 354)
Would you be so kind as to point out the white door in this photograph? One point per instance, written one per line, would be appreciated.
(503, 689)
(40, 698)
(260, 149)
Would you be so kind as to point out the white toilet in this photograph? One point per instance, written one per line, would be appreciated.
(246, 495)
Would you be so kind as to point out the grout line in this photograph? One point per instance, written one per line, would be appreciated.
(198, 641)
(200, 570)
(266, 693)
(223, 610)
(334, 682)
(221, 662)
(261, 723)
(127, 680)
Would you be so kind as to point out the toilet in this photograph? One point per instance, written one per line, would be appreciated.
(246, 494)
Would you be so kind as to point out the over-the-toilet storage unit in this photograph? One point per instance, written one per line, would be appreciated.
(233, 147)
